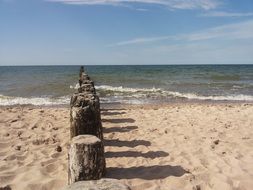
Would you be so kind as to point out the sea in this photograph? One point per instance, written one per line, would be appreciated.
(127, 84)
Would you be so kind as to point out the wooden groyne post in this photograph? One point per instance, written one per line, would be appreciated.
(86, 163)
(85, 115)
(86, 153)
(86, 159)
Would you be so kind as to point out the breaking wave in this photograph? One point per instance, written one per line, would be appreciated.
(110, 94)
(38, 101)
(239, 97)
(125, 89)
(163, 93)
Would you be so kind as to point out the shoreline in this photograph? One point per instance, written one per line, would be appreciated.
(115, 105)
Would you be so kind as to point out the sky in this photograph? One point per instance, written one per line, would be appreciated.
(126, 32)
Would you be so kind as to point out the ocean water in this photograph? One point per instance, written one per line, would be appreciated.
(53, 85)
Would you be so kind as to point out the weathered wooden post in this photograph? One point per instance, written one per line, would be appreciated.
(82, 76)
(86, 153)
(87, 87)
(86, 159)
(85, 115)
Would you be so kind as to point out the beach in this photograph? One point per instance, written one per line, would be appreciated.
(160, 146)
(126, 95)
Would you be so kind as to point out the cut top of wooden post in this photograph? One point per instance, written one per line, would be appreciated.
(86, 159)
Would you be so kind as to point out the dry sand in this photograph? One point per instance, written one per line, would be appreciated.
(172, 147)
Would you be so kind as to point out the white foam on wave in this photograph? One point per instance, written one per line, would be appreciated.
(164, 93)
(126, 89)
(120, 88)
(132, 96)
(76, 86)
(38, 101)
(239, 97)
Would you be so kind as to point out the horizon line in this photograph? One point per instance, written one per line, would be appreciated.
(128, 65)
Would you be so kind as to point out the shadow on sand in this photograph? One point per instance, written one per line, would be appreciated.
(141, 172)
(146, 172)
(133, 143)
(112, 113)
(123, 120)
(120, 129)
(150, 154)
(112, 109)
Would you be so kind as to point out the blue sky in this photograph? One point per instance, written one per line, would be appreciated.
(55, 32)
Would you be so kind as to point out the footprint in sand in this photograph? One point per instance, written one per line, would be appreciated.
(11, 157)
(50, 161)
(7, 177)
(56, 155)
(22, 156)
(50, 168)
(4, 145)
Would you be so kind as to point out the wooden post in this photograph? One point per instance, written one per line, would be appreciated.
(81, 73)
(86, 159)
(85, 115)
(87, 87)
(88, 82)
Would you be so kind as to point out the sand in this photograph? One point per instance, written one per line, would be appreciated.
(168, 147)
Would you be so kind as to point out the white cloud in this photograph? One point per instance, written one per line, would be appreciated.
(141, 41)
(141, 9)
(226, 14)
(242, 30)
(173, 4)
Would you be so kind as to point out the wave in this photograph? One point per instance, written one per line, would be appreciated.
(126, 89)
(120, 88)
(38, 101)
(111, 94)
(164, 93)
(76, 86)
(239, 97)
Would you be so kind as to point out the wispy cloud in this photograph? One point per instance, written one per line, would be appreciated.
(141, 41)
(226, 14)
(141, 9)
(242, 30)
(173, 4)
